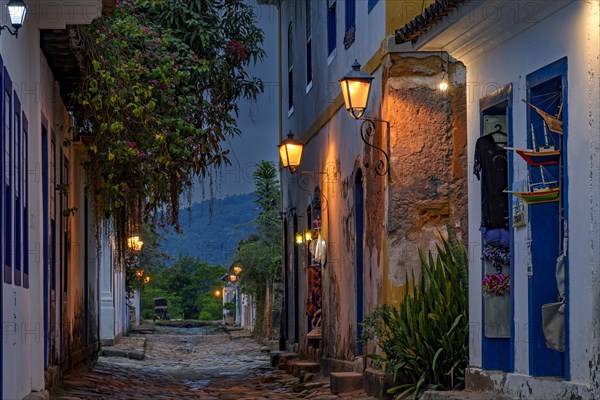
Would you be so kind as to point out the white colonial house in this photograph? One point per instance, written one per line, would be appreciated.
(49, 290)
(533, 72)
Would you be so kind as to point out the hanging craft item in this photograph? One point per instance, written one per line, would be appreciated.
(554, 122)
(495, 284)
(545, 154)
(538, 191)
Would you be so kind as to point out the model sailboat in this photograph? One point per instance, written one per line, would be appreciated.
(554, 122)
(545, 190)
(540, 192)
(545, 154)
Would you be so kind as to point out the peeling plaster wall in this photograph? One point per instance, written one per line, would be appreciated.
(338, 151)
(428, 156)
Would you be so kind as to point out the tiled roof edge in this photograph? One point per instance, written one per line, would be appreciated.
(424, 21)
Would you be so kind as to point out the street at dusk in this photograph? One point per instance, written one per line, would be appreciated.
(300, 199)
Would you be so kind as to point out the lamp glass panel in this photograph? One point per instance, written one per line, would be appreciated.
(358, 92)
(291, 153)
(17, 13)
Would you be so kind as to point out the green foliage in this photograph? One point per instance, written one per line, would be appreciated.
(158, 98)
(260, 253)
(187, 286)
(229, 306)
(425, 338)
(211, 307)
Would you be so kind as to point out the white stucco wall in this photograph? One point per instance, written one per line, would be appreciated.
(23, 318)
(510, 62)
(325, 88)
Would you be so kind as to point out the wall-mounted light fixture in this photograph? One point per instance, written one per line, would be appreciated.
(443, 85)
(308, 236)
(290, 151)
(356, 86)
(16, 10)
(237, 268)
(134, 243)
(303, 237)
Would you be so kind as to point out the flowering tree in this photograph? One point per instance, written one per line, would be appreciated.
(161, 81)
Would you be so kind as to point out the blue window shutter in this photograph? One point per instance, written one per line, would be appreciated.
(350, 13)
(372, 4)
(331, 28)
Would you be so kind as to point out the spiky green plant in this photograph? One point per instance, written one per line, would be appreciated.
(424, 339)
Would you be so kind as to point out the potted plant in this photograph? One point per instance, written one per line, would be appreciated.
(229, 307)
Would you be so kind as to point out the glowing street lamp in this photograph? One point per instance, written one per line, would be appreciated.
(356, 86)
(134, 243)
(290, 152)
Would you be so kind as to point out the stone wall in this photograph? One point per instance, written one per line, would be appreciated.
(428, 186)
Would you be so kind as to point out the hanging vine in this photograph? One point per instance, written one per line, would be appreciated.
(161, 81)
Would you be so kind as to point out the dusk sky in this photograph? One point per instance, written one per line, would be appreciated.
(258, 121)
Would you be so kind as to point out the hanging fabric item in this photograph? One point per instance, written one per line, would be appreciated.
(491, 168)
(496, 254)
(497, 236)
(553, 325)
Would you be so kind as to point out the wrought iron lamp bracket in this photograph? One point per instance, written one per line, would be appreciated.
(367, 130)
(15, 33)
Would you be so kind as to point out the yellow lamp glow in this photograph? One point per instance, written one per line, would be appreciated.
(356, 86)
(290, 152)
(299, 238)
(135, 243)
(217, 293)
(308, 235)
(139, 273)
(233, 277)
(237, 269)
(147, 279)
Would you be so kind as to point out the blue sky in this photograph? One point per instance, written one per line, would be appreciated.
(257, 120)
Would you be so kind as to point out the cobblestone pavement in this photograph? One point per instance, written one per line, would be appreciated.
(186, 364)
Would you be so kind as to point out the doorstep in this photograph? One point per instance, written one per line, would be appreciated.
(462, 395)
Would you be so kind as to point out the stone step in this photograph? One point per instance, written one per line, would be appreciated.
(299, 366)
(462, 395)
(285, 360)
(345, 382)
(277, 356)
(42, 395)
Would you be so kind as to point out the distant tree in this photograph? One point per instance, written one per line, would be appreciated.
(260, 254)
(188, 286)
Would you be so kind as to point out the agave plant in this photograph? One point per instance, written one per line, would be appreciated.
(424, 340)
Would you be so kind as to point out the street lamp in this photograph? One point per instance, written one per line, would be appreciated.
(134, 243)
(237, 268)
(290, 151)
(356, 86)
(17, 10)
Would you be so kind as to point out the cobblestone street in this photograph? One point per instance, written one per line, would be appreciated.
(180, 363)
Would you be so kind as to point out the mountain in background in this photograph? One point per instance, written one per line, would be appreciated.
(213, 239)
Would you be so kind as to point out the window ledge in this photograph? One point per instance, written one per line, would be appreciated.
(331, 56)
(309, 86)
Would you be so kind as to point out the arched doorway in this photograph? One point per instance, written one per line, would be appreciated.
(359, 204)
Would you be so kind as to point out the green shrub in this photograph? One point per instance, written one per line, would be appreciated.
(425, 339)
